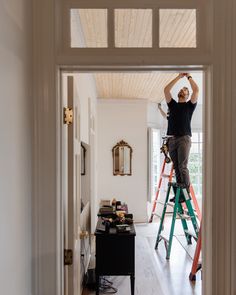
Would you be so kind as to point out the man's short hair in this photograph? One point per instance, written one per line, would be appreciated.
(187, 89)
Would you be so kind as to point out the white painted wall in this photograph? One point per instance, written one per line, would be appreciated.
(86, 89)
(127, 120)
(15, 147)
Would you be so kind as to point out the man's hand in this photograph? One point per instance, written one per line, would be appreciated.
(181, 75)
(184, 74)
(161, 111)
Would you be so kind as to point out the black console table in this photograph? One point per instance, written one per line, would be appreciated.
(115, 254)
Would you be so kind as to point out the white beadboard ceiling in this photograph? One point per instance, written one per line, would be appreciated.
(132, 85)
(178, 28)
(148, 86)
(133, 28)
(88, 28)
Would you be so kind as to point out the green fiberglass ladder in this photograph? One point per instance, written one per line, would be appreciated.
(185, 213)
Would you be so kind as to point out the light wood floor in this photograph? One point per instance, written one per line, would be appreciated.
(154, 275)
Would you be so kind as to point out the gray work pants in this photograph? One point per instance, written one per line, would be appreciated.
(179, 148)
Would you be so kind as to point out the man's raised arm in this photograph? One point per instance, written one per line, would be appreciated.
(164, 115)
(169, 86)
(194, 87)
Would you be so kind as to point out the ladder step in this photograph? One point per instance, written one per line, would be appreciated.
(184, 216)
(191, 233)
(173, 204)
(185, 211)
(158, 215)
(164, 238)
(163, 203)
(160, 202)
(168, 204)
(165, 175)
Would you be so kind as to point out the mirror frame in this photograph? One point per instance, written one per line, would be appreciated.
(122, 143)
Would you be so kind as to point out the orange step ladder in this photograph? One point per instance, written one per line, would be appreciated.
(196, 266)
(162, 175)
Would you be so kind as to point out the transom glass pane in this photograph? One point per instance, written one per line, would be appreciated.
(88, 28)
(133, 27)
(177, 28)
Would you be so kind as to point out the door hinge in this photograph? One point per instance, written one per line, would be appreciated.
(84, 234)
(68, 257)
(68, 116)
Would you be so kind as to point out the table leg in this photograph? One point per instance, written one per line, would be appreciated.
(97, 284)
(132, 284)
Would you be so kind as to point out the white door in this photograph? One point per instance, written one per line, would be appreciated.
(71, 139)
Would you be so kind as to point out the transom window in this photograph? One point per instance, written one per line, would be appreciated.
(133, 28)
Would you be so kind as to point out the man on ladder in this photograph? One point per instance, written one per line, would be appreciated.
(179, 127)
(179, 143)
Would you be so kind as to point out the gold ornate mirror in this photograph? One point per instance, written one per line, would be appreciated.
(122, 159)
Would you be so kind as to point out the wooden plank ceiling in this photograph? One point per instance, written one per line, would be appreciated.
(132, 85)
(133, 28)
(178, 28)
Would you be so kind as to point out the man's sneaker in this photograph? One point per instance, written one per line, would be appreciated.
(181, 199)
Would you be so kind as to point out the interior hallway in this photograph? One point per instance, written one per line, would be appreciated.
(154, 275)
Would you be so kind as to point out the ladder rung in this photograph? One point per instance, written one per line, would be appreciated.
(165, 175)
(162, 203)
(184, 216)
(191, 233)
(157, 201)
(158, 215)
(164, 238)
(172, 205)
(185, 211)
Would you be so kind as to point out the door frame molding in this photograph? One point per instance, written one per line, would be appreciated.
(207, 154)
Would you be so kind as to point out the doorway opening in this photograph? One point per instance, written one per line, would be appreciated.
(122, 105)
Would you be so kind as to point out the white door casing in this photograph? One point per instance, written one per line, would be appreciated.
(72, 197)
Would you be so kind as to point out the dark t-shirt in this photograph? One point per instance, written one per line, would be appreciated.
(179, 119)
